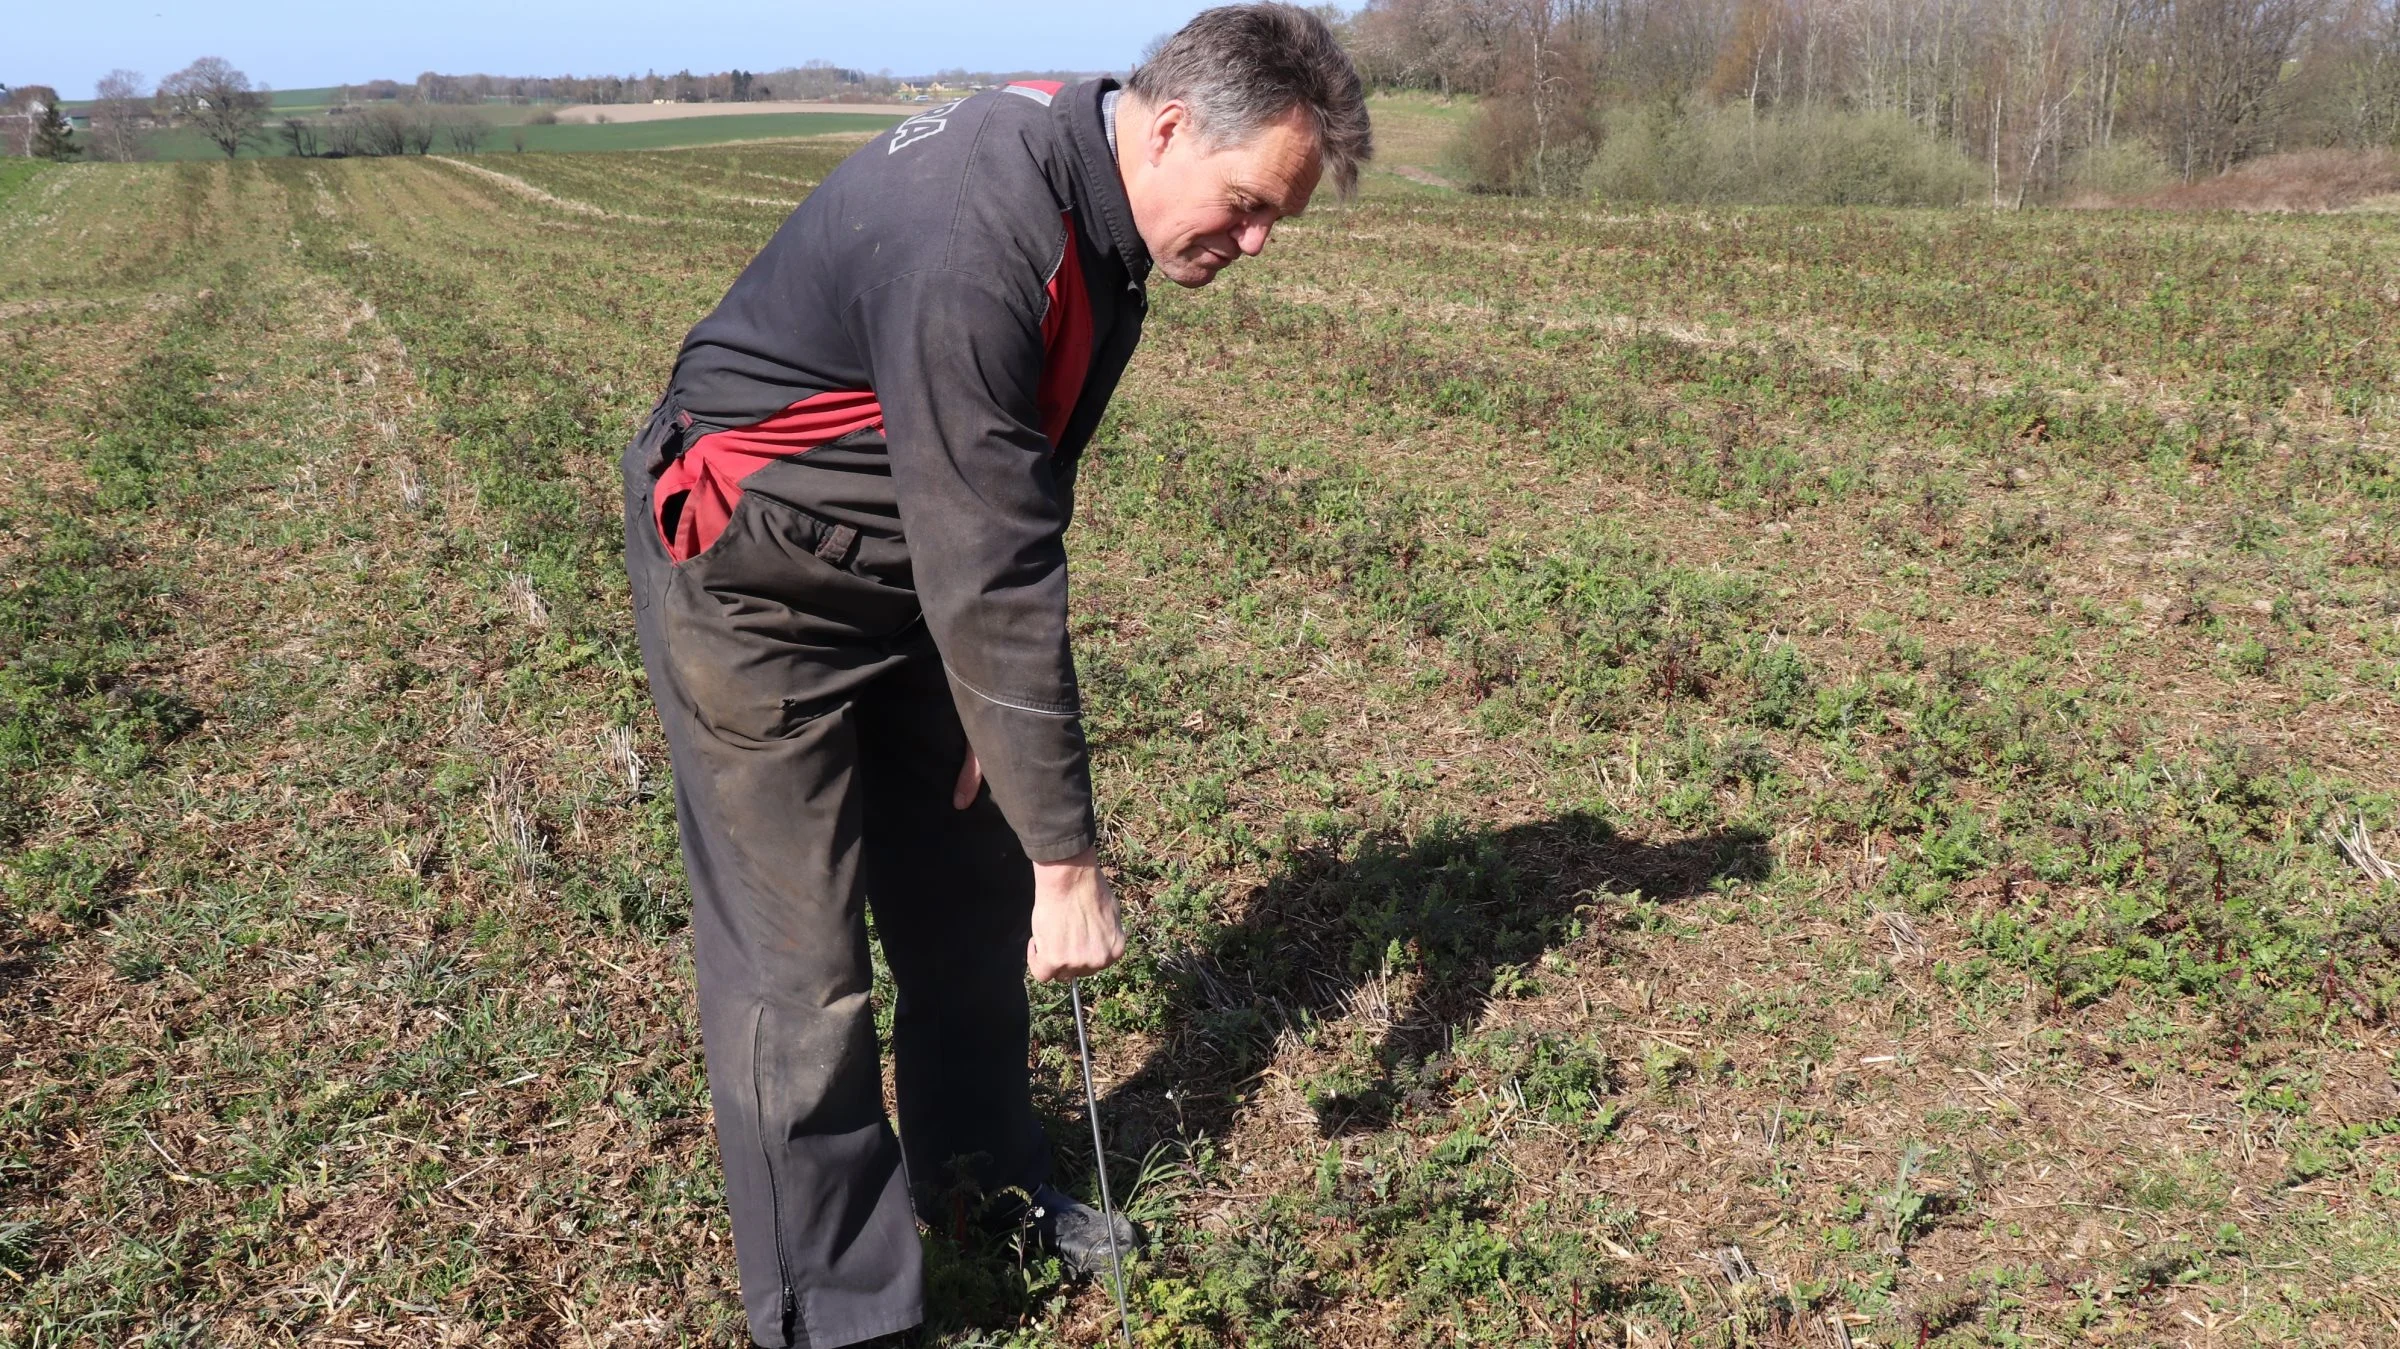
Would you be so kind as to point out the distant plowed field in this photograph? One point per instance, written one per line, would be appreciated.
(662, 112)
(1758, 778)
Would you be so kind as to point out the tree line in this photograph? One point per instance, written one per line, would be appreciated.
(209, 94)
(387, 117)
(2034, 94)
(815, 80)
(222, 103)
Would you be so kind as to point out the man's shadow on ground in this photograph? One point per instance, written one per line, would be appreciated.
(1403, 937)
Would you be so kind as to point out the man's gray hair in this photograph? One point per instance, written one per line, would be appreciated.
(1242, 68)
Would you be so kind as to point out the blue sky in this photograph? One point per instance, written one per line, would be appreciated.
(292, 45)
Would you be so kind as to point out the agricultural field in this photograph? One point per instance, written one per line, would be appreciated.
(512, 133)
(1734, 778)
(581, 128)
(597, 113)
(16, 174)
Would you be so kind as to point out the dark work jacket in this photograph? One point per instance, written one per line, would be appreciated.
(935, 332)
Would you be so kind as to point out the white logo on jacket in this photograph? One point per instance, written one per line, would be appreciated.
(924, 124)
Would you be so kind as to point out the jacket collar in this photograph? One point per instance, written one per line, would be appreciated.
(1110, 217)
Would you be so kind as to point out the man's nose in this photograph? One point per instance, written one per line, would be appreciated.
(1252, 238)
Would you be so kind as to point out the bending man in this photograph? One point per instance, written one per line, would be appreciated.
(844, 528)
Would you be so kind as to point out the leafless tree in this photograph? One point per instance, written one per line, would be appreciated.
(1752, 50)
(2221, 65)
(2028, 84)
(21, 112)
(2108, 35)
(346, 134)
(383, 129)
(2038, 71)
(2372, 82)
(300, 137)
(419, 129)
(1448, 46)
(466, 130)
(220, 100)
(119, 116)
(2347, 90)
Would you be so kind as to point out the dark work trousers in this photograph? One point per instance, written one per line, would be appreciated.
(816, 749)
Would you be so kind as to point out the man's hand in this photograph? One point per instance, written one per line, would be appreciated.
(970, 781)
(1075, 930)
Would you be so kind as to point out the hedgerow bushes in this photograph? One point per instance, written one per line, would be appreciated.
(1667, 152)
(1727, 156)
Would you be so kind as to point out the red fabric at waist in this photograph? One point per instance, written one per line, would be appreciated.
(701, 488)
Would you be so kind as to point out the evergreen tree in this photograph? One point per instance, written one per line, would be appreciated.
(54, 135)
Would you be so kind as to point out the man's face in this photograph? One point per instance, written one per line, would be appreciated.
(1200, 206)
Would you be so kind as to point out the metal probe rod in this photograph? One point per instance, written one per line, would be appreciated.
(1108, 1207)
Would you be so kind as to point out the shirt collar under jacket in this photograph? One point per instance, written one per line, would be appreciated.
(1096, 161)
(1108, 120)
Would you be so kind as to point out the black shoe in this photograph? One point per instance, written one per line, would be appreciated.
(1077, 1232)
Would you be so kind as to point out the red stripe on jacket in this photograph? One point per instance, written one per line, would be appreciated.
(1066, 341)
(701, 488)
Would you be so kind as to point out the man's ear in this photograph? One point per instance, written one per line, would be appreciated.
(1171, 122)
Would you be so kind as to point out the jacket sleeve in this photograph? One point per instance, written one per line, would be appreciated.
(956, 366)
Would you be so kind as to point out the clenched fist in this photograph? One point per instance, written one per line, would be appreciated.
(1075, 929)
